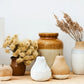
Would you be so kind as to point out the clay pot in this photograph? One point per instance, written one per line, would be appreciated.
(50, 46)
(18, 69)
(60, 67)
(78, 58)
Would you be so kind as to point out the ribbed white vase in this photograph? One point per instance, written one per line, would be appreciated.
(40, 70)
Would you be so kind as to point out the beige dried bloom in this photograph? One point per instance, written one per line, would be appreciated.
(24, 48)
(7, 51)
(28, 44)
(35, 53)
(28, 62)
(15, 55)
(7, 43)
(26, 58)
(12, 46)
(19, 60)
(4, 45)
(35, 43)
(15, 36)
(25, 43)
(29, 51)
(15, 41)
(36, 47)
(8, 36)
(21, 44)
(22, 54)
(31, 57)
(12, 38)
(32, 48)
(17, 51)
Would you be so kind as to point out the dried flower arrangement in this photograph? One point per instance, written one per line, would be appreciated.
(70, 27)
(25, 51)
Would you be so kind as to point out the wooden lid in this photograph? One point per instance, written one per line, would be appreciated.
(48, 34)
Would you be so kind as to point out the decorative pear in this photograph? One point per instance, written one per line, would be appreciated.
(60, 67)
(40, 70)
(5, 72)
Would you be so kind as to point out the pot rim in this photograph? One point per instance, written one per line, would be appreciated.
(48, 34)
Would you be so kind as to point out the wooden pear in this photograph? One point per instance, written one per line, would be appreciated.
(60, 67)
(5, 72)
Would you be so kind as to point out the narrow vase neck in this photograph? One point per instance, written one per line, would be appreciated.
(79, 45)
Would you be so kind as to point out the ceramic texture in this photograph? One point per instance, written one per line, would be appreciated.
(49, 46)
(78, 61)
(50, 55)
(6, 78)
(61, 77)
(78, 58)
(60, 66)
(40, 70)
(18, 69)
(5, 70)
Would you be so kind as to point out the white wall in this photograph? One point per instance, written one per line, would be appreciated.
(29, 17)
(1, 31)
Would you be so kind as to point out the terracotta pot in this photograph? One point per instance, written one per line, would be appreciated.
(18, 69)
(49, 46)
(78, 58)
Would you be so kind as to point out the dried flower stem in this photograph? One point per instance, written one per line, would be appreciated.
(73, 29)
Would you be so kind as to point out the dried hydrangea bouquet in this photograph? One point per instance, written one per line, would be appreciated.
(24, 51)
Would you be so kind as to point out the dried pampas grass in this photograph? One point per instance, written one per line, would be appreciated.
(73, 29)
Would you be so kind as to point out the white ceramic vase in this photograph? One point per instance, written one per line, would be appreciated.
(40, 70)
(78, 58)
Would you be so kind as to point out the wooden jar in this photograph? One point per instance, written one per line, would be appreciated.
(49, 46)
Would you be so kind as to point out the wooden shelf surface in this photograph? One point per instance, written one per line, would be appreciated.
(73, 79)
